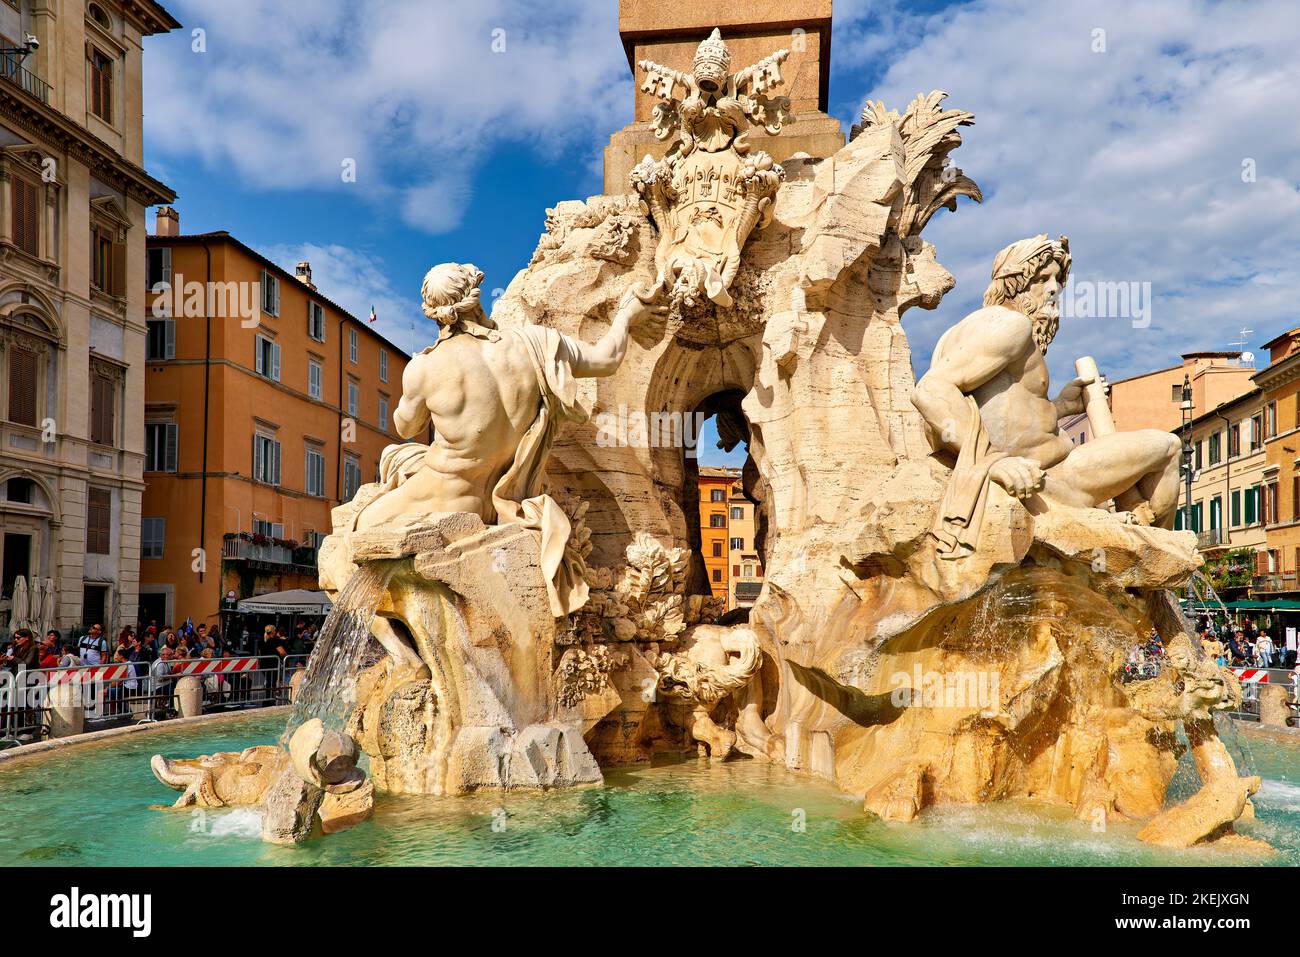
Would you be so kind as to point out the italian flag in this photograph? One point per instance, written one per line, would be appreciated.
(373, 317)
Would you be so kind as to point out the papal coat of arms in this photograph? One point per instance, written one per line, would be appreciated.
(711, 190)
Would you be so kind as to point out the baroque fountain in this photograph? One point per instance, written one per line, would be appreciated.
(951, 586)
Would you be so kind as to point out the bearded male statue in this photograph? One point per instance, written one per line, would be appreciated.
(985, 401)
(496, 400)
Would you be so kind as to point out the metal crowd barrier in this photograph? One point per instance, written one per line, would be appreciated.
(121, 692)
(1251, 679)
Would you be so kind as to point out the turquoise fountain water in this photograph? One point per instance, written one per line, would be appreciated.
(90, 805)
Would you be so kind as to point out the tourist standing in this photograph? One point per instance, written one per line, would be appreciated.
(1264, 651)
(93, 647)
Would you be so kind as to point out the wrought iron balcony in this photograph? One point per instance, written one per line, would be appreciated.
(13, 71)
(1209, 538)
(268, 553)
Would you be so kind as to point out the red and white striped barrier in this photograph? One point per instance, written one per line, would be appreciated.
(215, 666)
(1251, 675)
(116, 672)
(93, 673)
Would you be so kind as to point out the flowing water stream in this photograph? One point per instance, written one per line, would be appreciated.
(329, 690)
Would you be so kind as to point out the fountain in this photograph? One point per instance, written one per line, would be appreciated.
(951, 587)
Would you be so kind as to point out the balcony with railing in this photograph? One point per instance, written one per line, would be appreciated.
(1210, 538)
(268, 553)
(13, 72)
(1275, 582)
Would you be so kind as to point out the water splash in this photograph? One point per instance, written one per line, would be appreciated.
(329, 690)
(1224, 725)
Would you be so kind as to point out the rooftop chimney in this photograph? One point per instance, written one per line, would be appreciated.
(303, 272)
(169, 222)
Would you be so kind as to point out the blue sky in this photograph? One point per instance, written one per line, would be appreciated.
(466, 121)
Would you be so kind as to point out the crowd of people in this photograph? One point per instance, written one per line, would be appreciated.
(1246, 644)
(1241, 644)
(159, 656)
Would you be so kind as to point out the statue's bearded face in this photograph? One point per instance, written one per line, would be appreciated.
(1040, 302)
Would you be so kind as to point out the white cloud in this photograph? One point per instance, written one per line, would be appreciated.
(286, 93)
(357, 281)
(1135, 153)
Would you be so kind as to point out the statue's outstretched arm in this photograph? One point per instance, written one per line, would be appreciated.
(412, 414)
(603, 358)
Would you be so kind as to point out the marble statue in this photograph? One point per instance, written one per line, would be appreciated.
(711, 190)
(985, 400)
(495, 399)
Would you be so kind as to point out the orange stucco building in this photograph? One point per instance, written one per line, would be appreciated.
(715, 497)
(727, 537)
(1277, 566)
(266, 404)
(1152, 400)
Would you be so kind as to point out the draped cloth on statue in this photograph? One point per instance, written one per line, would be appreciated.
(962, 511)
(520, 494)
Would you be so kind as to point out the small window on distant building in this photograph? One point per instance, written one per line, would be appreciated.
(316, 321)
(383, 366)
(101, 85)
(160, 265)
(717, 549)
(266, 460)
(351, 477)
(737, 544)
(717, 574)
(270, 294)
(737, 513)
(99, 512)
(718, 495)
(160, 440)
(153, 534)
(717, 520)
(313, 378)
(315, 472)
(268, 358)
(26, 215)
(20, 490)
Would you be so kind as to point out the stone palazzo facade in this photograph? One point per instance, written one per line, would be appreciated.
(73, 195)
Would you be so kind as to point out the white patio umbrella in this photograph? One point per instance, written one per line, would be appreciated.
(46, 616)
(20, 613)
(34, 604)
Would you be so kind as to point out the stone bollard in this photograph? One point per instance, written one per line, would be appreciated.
(1274, 709)
(67, 713)
(189, 696)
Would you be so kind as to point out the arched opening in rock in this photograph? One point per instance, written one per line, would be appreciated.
(722, 501)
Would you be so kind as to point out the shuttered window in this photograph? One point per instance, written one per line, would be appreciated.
(103, 398)
(99, 514)
(26, 216)
(161, 342)
(160, 446)
(101, 86)
(315, 472)
(22, 386)
(266, 460)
